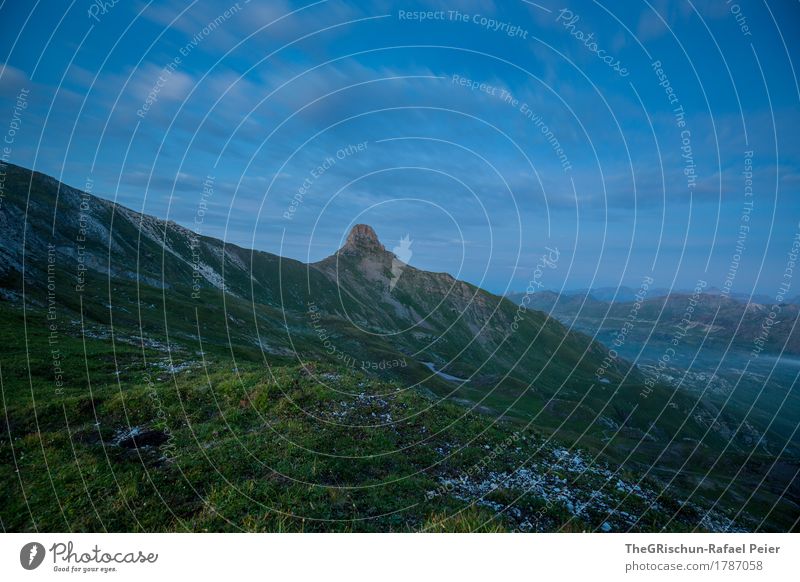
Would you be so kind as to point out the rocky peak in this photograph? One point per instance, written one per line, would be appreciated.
(362, 239)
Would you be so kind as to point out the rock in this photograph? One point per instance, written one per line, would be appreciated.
(138, 437)
(308, 370)
(362, 238)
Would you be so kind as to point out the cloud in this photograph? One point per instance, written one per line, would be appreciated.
(271, 24)
(12, 80)
(665, 16)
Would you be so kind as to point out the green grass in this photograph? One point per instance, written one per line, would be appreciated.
(263, 448)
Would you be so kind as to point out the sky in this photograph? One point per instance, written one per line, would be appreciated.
(622, 140)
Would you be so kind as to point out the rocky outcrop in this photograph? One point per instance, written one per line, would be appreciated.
(362, 239)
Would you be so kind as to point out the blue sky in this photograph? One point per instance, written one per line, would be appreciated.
(556, 149)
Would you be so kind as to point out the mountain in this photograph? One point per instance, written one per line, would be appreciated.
(217, 341)
(157, 277)
(710, 318)
(153, 278)
(624, 294)
(453, 324)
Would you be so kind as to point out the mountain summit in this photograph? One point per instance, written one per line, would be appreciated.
(362, 239)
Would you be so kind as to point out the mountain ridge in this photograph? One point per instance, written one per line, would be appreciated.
(129, 279)
(162, 280)
(186, 258)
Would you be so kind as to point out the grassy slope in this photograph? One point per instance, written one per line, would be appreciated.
(262, 448)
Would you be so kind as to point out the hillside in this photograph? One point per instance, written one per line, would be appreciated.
(374, 372)
(164, 442)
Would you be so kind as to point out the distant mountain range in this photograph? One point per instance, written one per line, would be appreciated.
(708, 318)
(624, 294)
